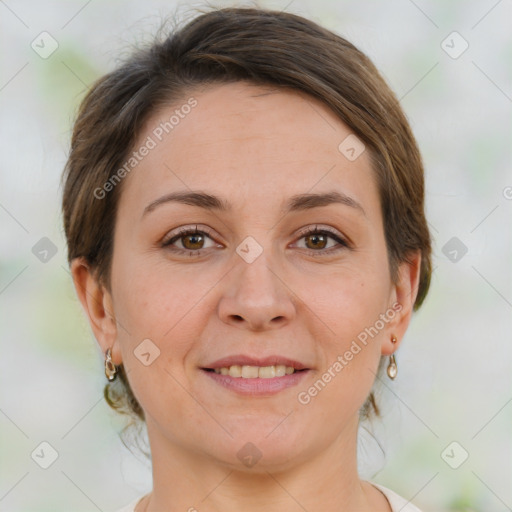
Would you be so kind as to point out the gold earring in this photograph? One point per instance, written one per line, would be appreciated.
(392, 367)
(110, 367)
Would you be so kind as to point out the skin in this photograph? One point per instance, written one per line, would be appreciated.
(254, 147)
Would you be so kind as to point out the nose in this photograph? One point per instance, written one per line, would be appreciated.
(256, 297)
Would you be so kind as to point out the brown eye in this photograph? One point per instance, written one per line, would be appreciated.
(193, 241)
(316, 241)
(190, 241)
(319, 242)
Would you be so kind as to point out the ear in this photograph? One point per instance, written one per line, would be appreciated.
(403, 296)
(98, 306)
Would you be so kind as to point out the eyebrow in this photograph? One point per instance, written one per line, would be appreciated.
(295, 203)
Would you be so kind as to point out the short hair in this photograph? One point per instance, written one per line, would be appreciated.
(259, 46)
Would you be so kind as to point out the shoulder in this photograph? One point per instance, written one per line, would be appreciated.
(396, 501)
(131, 506)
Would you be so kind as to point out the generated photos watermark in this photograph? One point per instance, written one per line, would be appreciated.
(305, 397)
(151, 142)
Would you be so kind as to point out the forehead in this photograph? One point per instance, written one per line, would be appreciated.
(247, 143)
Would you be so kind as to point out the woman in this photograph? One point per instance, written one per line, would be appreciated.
(244, 211)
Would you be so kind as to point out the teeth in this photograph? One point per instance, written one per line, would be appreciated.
(250, 372)
(253, 372)
(281, 370)
(235, 371)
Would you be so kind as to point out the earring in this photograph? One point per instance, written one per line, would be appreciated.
(110, 367)
(392, 367)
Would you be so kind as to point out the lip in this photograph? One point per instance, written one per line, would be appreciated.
(257, 386)
(245, 360)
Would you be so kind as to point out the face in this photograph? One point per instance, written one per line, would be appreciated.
(286, 267)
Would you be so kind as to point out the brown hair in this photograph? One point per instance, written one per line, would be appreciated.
(240, 44)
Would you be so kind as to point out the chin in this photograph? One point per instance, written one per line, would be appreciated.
(258, 448)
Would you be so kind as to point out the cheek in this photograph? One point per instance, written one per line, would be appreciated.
(350, 308)
(166, 307)
(349, 299)
(349, 355)
(161, 316)
(158, 301)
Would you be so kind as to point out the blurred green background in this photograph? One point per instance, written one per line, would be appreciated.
(455, 365)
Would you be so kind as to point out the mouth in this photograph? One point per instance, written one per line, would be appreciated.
(256, 377)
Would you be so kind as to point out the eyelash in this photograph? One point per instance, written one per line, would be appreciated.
(343, 244)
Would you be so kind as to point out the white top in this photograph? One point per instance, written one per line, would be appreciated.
(398, 504)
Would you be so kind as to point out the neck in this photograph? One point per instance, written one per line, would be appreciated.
(185, 480)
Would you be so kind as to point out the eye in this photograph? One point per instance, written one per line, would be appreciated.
(192, 240)
(316, 241)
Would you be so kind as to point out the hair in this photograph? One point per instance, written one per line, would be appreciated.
(259, 46)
